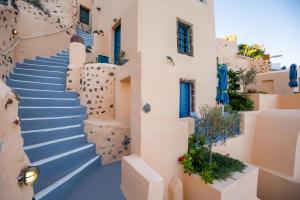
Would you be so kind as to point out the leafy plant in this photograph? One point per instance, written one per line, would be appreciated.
(215, 126)
(239, 102)
(196, 161)
(246, 77)
(255, 51)
(234, 81)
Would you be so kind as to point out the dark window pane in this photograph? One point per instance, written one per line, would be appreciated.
(184, 38)
(84, 15)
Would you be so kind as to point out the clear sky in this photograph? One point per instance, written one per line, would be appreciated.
(272, 23)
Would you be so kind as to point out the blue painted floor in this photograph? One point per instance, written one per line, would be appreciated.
(103, 183)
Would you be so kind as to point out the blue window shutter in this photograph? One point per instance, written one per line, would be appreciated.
(117, 45)
(185, 100)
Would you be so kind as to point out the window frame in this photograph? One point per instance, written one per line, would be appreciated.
(185, 47)
(88, 11)
(192, 84)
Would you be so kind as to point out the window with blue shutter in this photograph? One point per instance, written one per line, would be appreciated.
(184, 38)
(84, 15)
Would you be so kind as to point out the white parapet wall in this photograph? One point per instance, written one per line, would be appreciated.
(12, 156)
(139, 181)
(241, 186)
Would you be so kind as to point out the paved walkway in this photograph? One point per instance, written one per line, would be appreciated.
(101, 184)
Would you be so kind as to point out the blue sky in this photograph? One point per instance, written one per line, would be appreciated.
(272, 23)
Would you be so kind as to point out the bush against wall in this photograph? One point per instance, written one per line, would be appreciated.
(215, 127)
(239, 101)
(254, 51)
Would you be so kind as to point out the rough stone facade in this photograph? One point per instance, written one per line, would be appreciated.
(112, 139)
(96, 84)
(261, 65)
(12, 156)
(8, 21)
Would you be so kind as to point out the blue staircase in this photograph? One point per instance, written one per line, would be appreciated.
(52, 126)
(87, 38)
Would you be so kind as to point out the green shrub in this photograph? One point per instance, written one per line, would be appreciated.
(239, 102)
(196, 161)
(255, 51)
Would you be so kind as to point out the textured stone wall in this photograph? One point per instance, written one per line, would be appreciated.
(112, 139)
(261, 65)
(12, 156)
(96, 83)
(8, 21)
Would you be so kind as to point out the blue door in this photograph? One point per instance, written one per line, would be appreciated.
(117, 45)
(185, 100)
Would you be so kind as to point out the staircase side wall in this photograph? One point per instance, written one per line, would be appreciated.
(56, 20)
(8, 21)
(12, 156)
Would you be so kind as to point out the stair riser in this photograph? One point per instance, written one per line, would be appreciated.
(55, 149)
(41, 67)
(53, 112)
(34, 138)
(66, 59)
(37, 79)
(56, 165)
(43, 62)
(68, 186)
(64, 62)
(49, 103)
(44, 94)
(38, 86)
(51, 123)
(40, 73)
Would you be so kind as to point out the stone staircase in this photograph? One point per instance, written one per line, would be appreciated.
(52, 125)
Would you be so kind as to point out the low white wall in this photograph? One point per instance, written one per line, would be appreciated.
(241, 186)
(12, 156)
(140, 181)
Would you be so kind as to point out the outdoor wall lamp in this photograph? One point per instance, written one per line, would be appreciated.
(147, 107)
(28, 175)
(14, 32)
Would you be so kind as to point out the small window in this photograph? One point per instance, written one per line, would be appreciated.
(187, 98)
(203, 1)
(84, 15)
(184, 38)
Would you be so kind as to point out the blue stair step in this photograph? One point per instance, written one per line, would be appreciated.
(72, 179)
(61, 56)
(41, 67)
(54, 148)
(57, 169)
(44, 94)
(52, 125)
(29, 112)
(31, 101)
(35, 78)
(55, 60)
(35, 85)
(46, 122)
(44, 62)
(45, 136)
(65, 59)
(40, 72)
